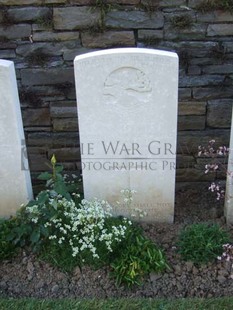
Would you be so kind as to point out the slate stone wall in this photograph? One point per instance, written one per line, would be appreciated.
(42, 37)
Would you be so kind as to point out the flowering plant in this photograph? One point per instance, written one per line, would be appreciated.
(59, 217)
(68, 231)
(215, 155)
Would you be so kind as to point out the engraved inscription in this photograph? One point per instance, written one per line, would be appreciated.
(127, 86)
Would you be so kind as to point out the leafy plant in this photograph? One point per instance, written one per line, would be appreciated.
(46, 20)
(138, 257)
(69, 231)
(7, 248)
(57, 182)
(104, 8)
(219, 52)
(7, 20)
(38, 57)
(149, 6)
(65, 88)
(30, 221)
(202, 243)
(181, 21)
(210, 5)
(99, 252)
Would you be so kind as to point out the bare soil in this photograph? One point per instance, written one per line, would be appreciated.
(26, 276)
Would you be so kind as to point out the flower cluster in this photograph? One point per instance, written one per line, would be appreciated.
(127, 195)
(227, 253)
(211, 151)
(214, 153)
(220, 192)
(80, 226)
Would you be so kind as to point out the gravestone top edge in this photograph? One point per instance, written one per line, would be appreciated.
(6, 63)
(132, 50)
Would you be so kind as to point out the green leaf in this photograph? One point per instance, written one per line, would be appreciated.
(42, 198)
(61, 189)
(59, 168)
(35, 236)
(45, 176)
(54, 204)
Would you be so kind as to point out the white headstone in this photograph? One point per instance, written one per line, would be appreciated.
(127, 109)
(228, 210)
(15, 182)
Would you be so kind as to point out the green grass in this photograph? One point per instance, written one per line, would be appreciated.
(118, 304)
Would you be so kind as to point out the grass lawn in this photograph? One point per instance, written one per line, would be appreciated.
(225, 303)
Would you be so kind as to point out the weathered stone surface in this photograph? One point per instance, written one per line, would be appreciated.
(7, 54)
(33, 95)
(194, 3)
(1, 16)
(86, 2)
(150, 34)
(185, 175)
(53, 139)
(27, 14)
(193, 47)
(211, 55)
(63, 109)
(184, 93)
(120, 94)
(29, 2)
(108, 39)
(228, 47)
(15, 182)
(192, 108)
(54, 1)
(220, 30)
(81, 2)
(134, 19)
(39, 161)
(194, 70)
(185, 161)
(72, 53)
(55, 36)
(65, 124)
(188, 141)
(205, 61)
(191, 122)
(165, 3)
(21, 2)
(203, 93)
(7, 45)
(219, 113)
(36, 117)
(203, 80)
(216, 16)
(42, 27)
(219, 69)
(71, 18)
(55, 49)
(45, 76)
(228, 209)
(196, 31)
(15, 31)
(36, 129)
(66, 154)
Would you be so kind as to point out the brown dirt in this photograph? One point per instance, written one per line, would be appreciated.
(26, 276)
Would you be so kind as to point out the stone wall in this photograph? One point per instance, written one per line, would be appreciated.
(42, 37)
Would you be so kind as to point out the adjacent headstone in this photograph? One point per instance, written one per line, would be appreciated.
(15, 182)
(127, 109)
(228, 210)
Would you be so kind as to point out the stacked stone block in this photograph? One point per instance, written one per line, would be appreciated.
(42, 37)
